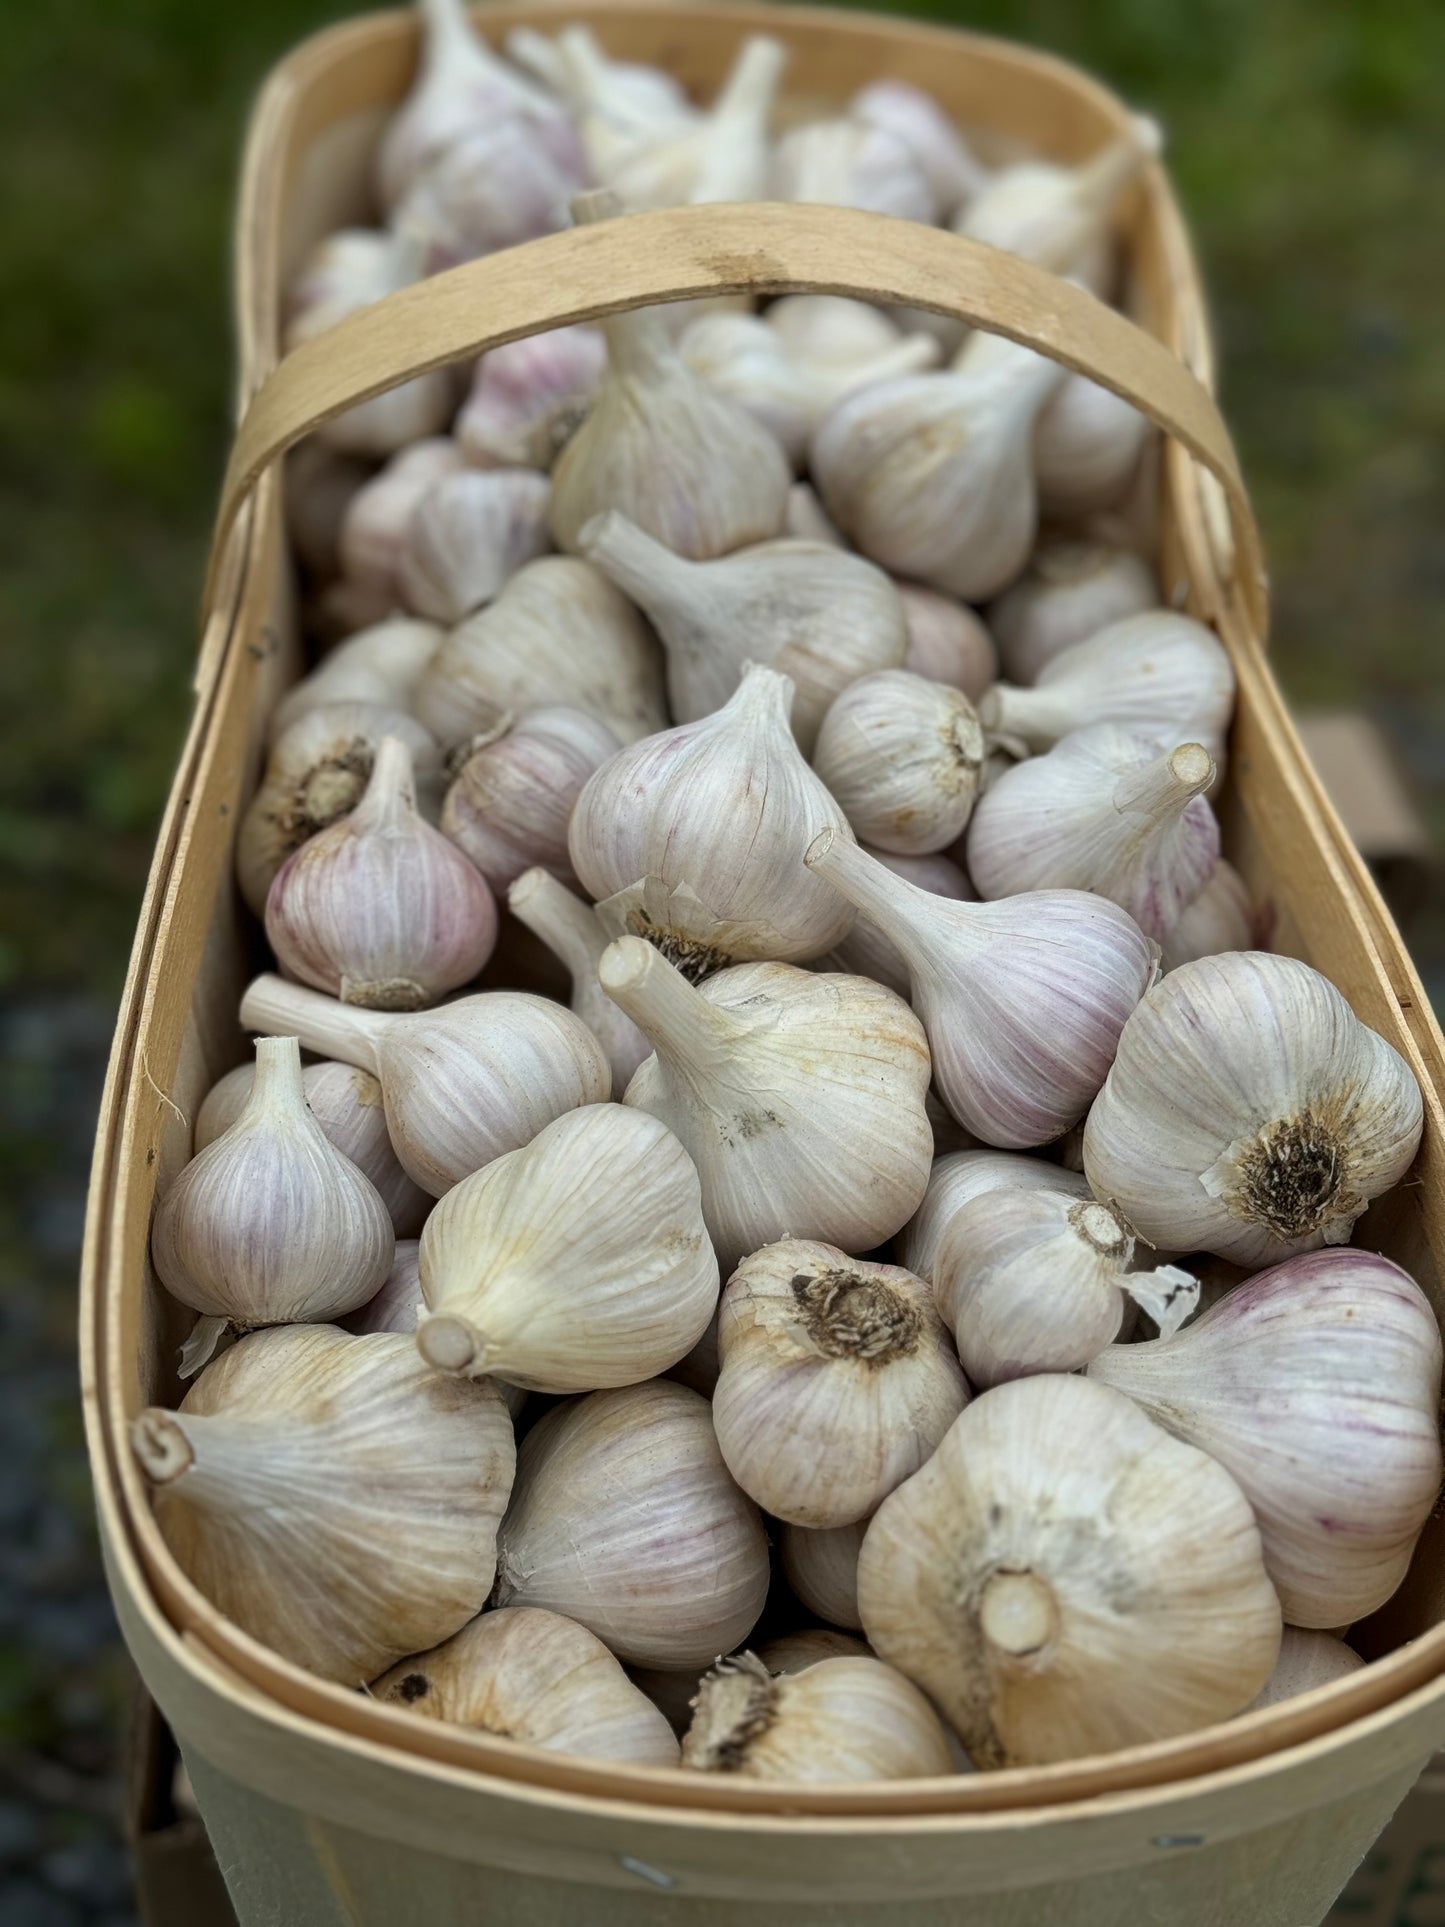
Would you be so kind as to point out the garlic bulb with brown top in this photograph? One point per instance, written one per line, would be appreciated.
(904, 758)
(1069, 592)
(1306, 1660)
(822, 1569)
(468, 536)
(511, 800)
(529, 397)
(373, 535)
(572, 930)
(960, 1176)
(847, 162)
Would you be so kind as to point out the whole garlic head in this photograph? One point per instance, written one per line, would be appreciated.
(959, 1177)
(381, 666)
(904, 758)
(847, 162)
(1069, 592)
(822, 1569)
(468, 536)
(511, 800)
(373, 533)
(1087, 445)
(947, 642)
(953, 171)
(529, 397)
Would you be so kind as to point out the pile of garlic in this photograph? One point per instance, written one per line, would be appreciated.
(745, 1109)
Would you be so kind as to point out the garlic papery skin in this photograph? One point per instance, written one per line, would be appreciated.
(960, 1176)
(1317, 1384)
(319, 486)
(1064, 1579)
(721, 156)
(799, 1097)
(796, 1652)
(1249, 1112)
(624, 95)
(1069, 592)
(572, 930)
(381, 909)
(904, 757)
(845, 162)
(536, 1677)
(694, 838)
(1101, 811)
(836, 1721)
(559, 632)
(822, 1569)
(510, 803)
(373, 533)
(947, 642)
(915, 118)
(1087, 445)
(807, 520)
(270, 1224)
(865, 951)
(837, 1382)
(577, 1263)
(931, 475)
(625, 1518)
(831, 328)
(469, 534)
(397, 1306)
(529, 397)
(1220, 917)
(1023, 1001)
(331, 1495)
(1162, 676)
(494, 186)
(816, 614)
(461, 1084)
(1306, 1660)
(382, 666)
(346, 1103)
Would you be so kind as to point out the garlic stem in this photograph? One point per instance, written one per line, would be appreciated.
(1162, 788)
(277, 1080)
(1017, 1613)
(447, 37)
(452, 1344)
(665, 1006)
(641, 566)
(870, 886)
(568, 926)
(637, 339)
(324, 1025)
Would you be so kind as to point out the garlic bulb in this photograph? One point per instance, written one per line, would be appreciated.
(915, 118)
(625, 1519)
(831, 329)
(796, 1652)
(1087, 444)
(270, 1224)
(469, 534)
(1102, 811)
(622, 95)
(837, 1382)
(816, 614)
(511, 800)
(838, 1720)
(319, 488)
(397, 1306)
(1318, 1385)
(346, 1103)
(493, 186)
(799, 1097)
(538, 1678)
(685, 463)
(807, 521)
(373, 533)
(380, 909)
(573, 931)
(1069, 592)
(461, 1084)
(577, 1263)
(558, 633)
(693, 838)
(931, 476)
(1163, 676)
(959, 1177)
(383, 666)
(847, 162)
(947, 642)
(529, 397)
(1249, 1112)
(903, 757)
(720, 156)
(1063, 1579)
(865, 951)
(331, 1496)
(1306, 1660)
(1219, 918)
(822, 1569)
(1023, 1000)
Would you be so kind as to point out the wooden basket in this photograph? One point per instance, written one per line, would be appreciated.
(328, 1808)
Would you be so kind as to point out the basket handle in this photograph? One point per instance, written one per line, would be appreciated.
(673, 254)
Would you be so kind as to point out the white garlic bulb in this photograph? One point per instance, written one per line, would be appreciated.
(837, 1382)
(1249, 1112)
(693, 838)
(625, 1518)
(529, 397)
(953, 171)
(718, 156)
(1306, 1660)
(847, 162)
(373, 532)
(511, 800)
(798, 1096)
(1069, 592)
(796, 1652)
(468, 536)
(831, 329)
(904, 757)
(816, 614)
(807, 520)
(1063, 1579)
(576, 1263)
(383, 666)
(865, 951)
(947, 641)
(1023, 1000)
(623, 95)
(397, 1306)
(494, 185)
(558, 633)
(573, 931)
(822, 1569)
(1220, 917)
(838, 1720)
(960, 1176)
(461, 1084)
(537, 1678)
(1087, 445)
(320, 1493)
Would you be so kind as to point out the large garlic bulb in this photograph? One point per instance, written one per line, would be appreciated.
(332, 1496)
(1249, 1112)
(1069, 592)
(904, 758)
(959, 1177)
(1318, 1385)
(511, 800)
(572, 931)
(822, 1569)
(1063, 1578)
(468, 536)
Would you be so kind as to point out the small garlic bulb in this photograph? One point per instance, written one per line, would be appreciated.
(947, 642)
(837, 1720)
(461, 1084)
(529, 397)
(816, 614)
(865, 951)
(558, 633)
(577, 1263)
(382, 666)
(380, 909)
(822, 1569)
(331, 1496)
(1063, 1579)
(1318, 1385)
(270, 1224)
(1069, 592)
(1023, 1001)
(625, 1518)
(953, 172)
(511, 800)
(960, 1176)
(1306, 1660)
(688, 465)
(847, 162)
(796, 1652)
(838, 1380)
(469, 534)
(493, 186)
(573, 931)
(903, 756)
(397, 1306)
(1249, 1112)
(538, 1678)
(718, 156)
(1087, 445)
(693, 838)
(799, 1097)
(373, 533)
(1220, 917)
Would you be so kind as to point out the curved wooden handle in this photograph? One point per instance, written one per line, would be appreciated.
(675, 254)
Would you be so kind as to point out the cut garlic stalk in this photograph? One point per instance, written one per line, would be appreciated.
(468, 536)
(865, 951)
(904, 757)
(573, 931)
